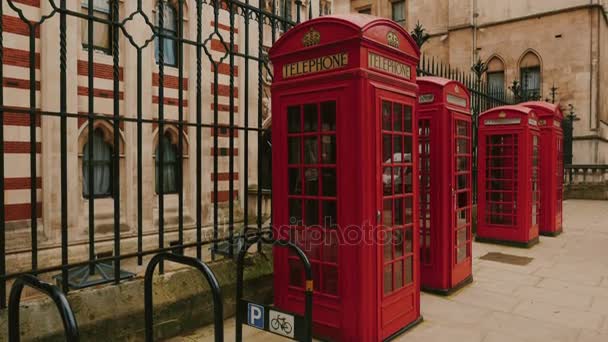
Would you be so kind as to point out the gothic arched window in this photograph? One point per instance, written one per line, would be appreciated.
(496, 76)
(101, 161)
(530, 75)
(169, 170)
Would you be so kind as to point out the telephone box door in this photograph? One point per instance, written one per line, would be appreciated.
(462, 201)
(398, 280)
(499, 160)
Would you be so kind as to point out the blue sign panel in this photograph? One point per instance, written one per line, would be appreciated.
(255, 315)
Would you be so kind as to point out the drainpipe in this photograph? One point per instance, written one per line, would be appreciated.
(475, 14)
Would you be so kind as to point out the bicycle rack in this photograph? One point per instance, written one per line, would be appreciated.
(302, 327)
(218, 314)
(70, 326)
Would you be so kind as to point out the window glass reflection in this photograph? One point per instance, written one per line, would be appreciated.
(386, 115)
(311, 181)
(311, 150)
(409, 270)
(330, 214)
(329, 182)
(293, 119)
(295, 181)
(310, 118)
(295, 212)
(311, 217)
(328, 116)
(328, 149)
(293, 150)
(407, 120)
(397, 117)
(398, 267)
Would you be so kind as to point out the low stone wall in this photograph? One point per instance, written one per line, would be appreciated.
(182, 302)
(586, 191)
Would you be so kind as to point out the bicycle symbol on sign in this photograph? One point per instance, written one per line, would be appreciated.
(280, 323)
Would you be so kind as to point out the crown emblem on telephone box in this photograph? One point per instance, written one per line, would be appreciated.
(311, 38)
(393, 39)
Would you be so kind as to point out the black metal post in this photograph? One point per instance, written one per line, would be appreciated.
(298, 9)
(70, 326)
(266, 238)
(568, 131)
(216, 292)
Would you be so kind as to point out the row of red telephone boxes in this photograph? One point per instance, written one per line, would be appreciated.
(373, 176)
(519, 178)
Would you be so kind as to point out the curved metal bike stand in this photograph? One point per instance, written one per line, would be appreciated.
(266, 237)
(218, 312)
(70, 326)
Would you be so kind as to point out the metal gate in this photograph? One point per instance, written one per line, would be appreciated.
(132, 106)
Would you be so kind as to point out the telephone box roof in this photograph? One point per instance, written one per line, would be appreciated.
(512, 108)
(442, 82)
(544, 108)
(344, 27)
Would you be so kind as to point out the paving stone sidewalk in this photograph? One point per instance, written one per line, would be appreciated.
(562, 295)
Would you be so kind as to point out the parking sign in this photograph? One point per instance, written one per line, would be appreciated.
(255, 315)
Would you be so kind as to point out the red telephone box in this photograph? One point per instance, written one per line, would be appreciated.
(444, 123)
(344, 137)
(550, 119)
(508, 189)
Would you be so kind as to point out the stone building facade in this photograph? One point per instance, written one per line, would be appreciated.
(540, 43)
(18, 137)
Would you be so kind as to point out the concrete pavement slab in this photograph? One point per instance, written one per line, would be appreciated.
(556, 314)
(560, 298)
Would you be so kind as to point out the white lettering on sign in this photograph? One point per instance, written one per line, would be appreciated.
(557, 124)
(532, 122)
(281, 323)
(426, 98)
(458, 101)
(495, 122)
(255, 316)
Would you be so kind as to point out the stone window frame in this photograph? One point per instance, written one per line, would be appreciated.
(501, 69)
(173, 132)
(107, 130)
(521, 66)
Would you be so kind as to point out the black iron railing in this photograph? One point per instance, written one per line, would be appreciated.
(212, 58)
(210, 44)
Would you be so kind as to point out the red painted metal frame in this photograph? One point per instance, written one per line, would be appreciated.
(441, 198)
(550, 119)
(358, 310)
(512, 131)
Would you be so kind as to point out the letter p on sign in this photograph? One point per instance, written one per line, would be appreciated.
(255, 316)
